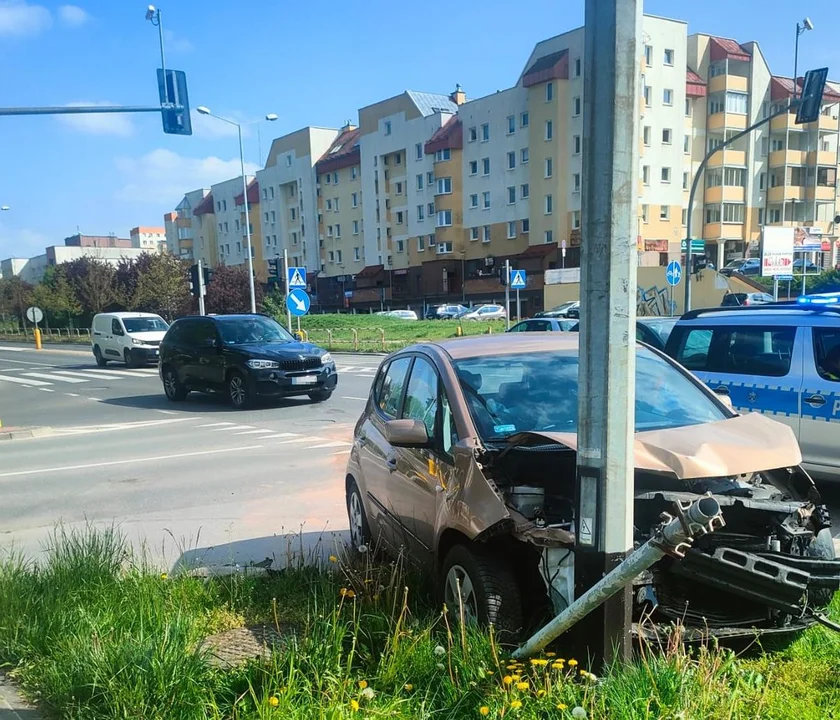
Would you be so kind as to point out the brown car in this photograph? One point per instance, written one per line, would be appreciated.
(464, 459)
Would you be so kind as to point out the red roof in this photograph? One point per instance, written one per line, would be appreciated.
(370, 271)
(781, 88)
(205, 207)
(695, 86)
(726, 49)
(449, 135)
(549, 67)
(344, 152)
(537, 251)
(253, 194)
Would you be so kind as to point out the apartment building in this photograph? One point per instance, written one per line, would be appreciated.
(189, 235)
(230, 223)
(152, 239)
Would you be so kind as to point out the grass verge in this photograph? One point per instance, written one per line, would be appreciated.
(93, 632)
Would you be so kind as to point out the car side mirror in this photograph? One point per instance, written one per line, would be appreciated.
(722, 394)
(406, 433)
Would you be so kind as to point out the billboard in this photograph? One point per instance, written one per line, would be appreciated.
(807, 239)
(776, 251)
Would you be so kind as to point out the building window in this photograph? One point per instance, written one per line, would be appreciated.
(331, 256)
(511, 229)
(421, 244)
(265, 217)
(760, 216)
(338, 230)
(400, 246)
(444, 218)
(329, 231)
(511, 195)
(549, 129)
(647, 95)
(354, 199)
(444, 186)
(669, 57)
(335, 178)
(511, 159)
(486, 234)
(399, 218)
(485, 166)
(576, 220)
(687, 144)
(473, 234)
(775, 215)
(646, 135)
(735, 177)
(421, 213)
(688, 107)
(265, 193)
(292, 213)
(576, 182)
(648, 55)
(420, 181)
(664, 212)
(668, 96)
(684, 217)
(712, 213)
(355, 227)
(576, 106)
(474, 200)
(236, 225)
(444, 248)
(357, 254)
(577, 67)
(329, 204)
(485, 198)
(473, 167)
(646, 174)
(523, 156)
(733, 213)
(524, 191)
(665, 175)
(472, 135)
(731, 102)
(644, 213)
(443, 155)
(548, 205)
(485, 132)
(667, 135)
(387, 127)
(762, 179)
(511, 121)
(430, 209)
(549, 167)
(524, 120)
(685, 180)
(549, 91)
(288, 161)
(399, 187)
(577, 144)
(549, 236)
(418, 151)
(526, 226)
(398, 191)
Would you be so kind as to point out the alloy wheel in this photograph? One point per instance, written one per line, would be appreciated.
(458, 591)
(237, 391)
(170, 384)
(357, 531)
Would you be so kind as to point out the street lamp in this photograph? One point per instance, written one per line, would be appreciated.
(806, 25)
(4, 208)
(203, 110)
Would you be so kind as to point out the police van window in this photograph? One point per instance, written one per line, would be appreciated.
(392, 387)
(760, 351)
(694, 351)
(827, 353)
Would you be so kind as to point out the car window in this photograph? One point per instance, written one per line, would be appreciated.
(421, 395)
(145, 324)
(827, 353)
(448, 431)
(204, 334)
(252, 329)
(765, 351)
(116, 328)
(693, 353)
(392, 387)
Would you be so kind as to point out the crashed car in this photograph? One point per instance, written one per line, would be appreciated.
(464, 459)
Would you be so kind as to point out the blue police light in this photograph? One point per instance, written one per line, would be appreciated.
(820, 299)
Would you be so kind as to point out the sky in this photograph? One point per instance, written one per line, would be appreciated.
(311, 63)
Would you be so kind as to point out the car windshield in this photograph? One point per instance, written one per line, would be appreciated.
(251, 330)
(735, 263)
(662, 329)
(507, 394)
(145, 324)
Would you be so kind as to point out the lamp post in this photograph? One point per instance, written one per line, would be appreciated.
(271, 117)
(153, 16)
(806, 25)
(4, 208)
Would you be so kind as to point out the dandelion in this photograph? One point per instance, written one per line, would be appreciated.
(333, 559)
(573, 663)
(362, 548)
(522, 685)
(539, 662)
(440, 666)
(408, 687)
(512, 666)
(516, 678)
(507, 680)
(579, 713)
(515, 704)
(541, 692)
(557, 666)
(346, 593)
(164, 576)
(551, 654)
(368, 693)
(484, 710)
(562, 706)
(440, 651)
(273, 701)
(354, 705)
(362, 684)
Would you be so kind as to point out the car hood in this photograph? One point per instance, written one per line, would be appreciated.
(736, 446)
(288, 350)
(150, 335)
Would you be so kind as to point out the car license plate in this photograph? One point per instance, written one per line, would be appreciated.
(304, 380)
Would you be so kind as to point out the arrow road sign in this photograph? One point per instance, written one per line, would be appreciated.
(673, 273)
(298, 301)
(517, 280)
(296, 277)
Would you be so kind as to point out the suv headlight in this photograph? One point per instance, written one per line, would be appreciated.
(326, 359)
(263, 364)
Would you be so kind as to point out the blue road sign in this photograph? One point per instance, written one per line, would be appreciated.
(784, 278)
(673, 273)
(296, 277)
(517, 280)
(174, 102)
(298, 302)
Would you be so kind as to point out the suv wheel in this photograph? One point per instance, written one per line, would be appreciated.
(97, 354)
(320, 395)
(175, 390)
(486, 588)
(238, 392)
(359, 529)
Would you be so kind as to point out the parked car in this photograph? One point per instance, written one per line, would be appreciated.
(129, 337)
(244, 357)
(544, 325)
(464, 459)
(403, 314)
(809, 267)
(782, 360)
(486, 312)
(653, 331)
(445, 312)
(561, 310)
(742, 266)
(731, 299)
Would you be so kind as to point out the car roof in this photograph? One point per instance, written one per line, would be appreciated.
(127, 314)
(505, 344)
(769, 314)
(229, 316)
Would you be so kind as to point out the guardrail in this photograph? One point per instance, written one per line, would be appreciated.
(63, 334)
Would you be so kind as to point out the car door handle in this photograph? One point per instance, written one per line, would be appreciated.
(722, 390)
(815, 400)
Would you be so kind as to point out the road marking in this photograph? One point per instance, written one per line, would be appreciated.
(117, 373)
(86, 375)
(336, 443)
(27, 362)
(111, 463)
(254, 432)
(218, 424)
(13, 349)
(23, 381)
(341, 452)
(235, 427)
(59, 378)
(76, 429)
(350, 397)
(167, 412)
(278, 435)
(310, 438)
(46, 390)
(72, 394)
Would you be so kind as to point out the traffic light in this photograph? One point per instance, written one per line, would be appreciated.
(274, 270)
(208, 275)
(503, 276)
(698, 263)
(195, 285)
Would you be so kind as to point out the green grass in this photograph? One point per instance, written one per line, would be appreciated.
(92, 631)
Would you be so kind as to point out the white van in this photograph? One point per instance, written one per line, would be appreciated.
(129, 337)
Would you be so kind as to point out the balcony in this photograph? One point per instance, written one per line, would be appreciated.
(728, 157)
(785, 122)
(723, 193)
(822, 157)
(720, 121)
(779, 158)
(721, 83)
(821, 193)
(825, 122)
(785, 193)
(723, 231)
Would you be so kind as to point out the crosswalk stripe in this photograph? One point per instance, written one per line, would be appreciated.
(310, 438)
(98, 376)
(218, 424)
(12, 349)
(118, 373)
(278, 435)
(23, 381)
(334, 444)
(234, 427)
(44, 376)
(253, 432)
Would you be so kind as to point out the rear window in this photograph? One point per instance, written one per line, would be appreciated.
(764, 351)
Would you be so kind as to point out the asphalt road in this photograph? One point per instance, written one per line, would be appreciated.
(195, 481)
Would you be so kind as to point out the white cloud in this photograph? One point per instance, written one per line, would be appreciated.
(24, 242)
(176, 43)
(163, 176)
(19, 18)
(99, 124)
(73, 15)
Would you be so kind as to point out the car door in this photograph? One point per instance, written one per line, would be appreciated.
(820, 426)
(112, 347)
(420, 474)
(181, 355)
(206, 362)
(377, 458)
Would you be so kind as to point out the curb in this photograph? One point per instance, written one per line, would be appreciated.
(22, 433)
(13, 705)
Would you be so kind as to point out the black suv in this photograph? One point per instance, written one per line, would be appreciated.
(244, 356)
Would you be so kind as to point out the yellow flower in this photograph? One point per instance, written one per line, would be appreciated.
(516, 678)
(354, 705)
(551, 654)
(273, 701)
(484, 710)
(507, 679)
(522, 685)
(539, 662)
(541, 693)
(512, 666)
(409, 687)
(333, 559)
(562, 706)
(557, 665)
(572, 662)
(515, 704)
(163, 576)
(362, 684)
(346, 593)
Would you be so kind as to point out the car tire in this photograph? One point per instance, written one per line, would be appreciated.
(320, 395)
(821, 547)
(97, 355)
(128, 358)
(173, 388)
(238, 392)
(490, 593)
(360, 536)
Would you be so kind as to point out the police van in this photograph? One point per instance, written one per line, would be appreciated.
(782, 360)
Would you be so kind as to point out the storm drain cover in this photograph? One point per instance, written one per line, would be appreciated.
(235, 647)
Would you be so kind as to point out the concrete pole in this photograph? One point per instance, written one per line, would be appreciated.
(604, 497)
(201, 289)
(507, 294)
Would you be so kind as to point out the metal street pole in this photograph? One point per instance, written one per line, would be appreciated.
(286, 283)
(247, 221)
(607, 356)
(507, 294)
(201, 288)
(518, 307)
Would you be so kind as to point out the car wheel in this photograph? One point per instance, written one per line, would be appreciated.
(175, 390)
(320, 395)
(821, 547)
(486, 588)
(238, 392)
(97, 354)
(359, 528)
(129, 359)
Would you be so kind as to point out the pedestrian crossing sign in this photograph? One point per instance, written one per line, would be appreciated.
(517, 280)
(296, 277)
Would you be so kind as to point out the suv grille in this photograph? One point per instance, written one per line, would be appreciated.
(301, 365)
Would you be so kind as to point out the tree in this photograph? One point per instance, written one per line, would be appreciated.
(274, 305)
(229, 291)
(154, 283)
(15, 297)
(93, 282)
(55, 296)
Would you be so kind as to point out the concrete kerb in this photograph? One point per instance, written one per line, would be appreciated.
(12, 705)
(21, 433)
